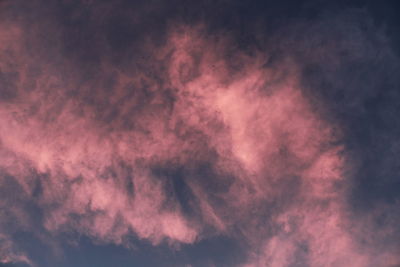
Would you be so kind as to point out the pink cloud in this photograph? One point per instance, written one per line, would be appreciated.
(262, 131)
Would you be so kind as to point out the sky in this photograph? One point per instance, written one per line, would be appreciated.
(199, 133)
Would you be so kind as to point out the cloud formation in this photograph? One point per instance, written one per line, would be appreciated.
(114, 128)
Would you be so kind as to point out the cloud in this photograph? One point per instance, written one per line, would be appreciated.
(185, 136)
